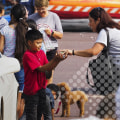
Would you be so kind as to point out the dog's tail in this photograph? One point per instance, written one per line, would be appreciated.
(86, 98)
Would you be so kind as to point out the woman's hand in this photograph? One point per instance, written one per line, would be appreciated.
(70, 52)
(67, 51)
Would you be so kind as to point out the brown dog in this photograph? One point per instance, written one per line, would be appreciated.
(69, 97)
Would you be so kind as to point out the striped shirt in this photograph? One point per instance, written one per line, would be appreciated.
(10, 40)
(3, 22)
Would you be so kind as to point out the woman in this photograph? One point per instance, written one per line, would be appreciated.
(12, 44)
(49, 24)
(99, 21)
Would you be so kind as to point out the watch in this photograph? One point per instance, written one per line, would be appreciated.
(52, 33)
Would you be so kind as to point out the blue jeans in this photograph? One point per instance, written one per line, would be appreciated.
(20, 79)
(51, 54)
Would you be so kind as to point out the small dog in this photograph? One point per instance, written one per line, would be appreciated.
(69, 97)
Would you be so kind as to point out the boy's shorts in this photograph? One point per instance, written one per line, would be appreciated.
(51, 54)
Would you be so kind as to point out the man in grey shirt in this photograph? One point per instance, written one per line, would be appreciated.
(49, 24)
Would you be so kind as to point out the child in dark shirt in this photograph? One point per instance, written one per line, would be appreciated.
(52, 91)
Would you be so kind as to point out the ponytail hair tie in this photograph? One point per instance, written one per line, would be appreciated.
(20, 19)
(29, 28)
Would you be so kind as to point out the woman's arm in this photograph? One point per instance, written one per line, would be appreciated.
(95, 50)
(2, 42)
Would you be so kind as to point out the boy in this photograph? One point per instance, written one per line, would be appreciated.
(3, 21)
(32, 25)
(35, 65)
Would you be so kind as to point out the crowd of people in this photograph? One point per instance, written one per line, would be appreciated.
(31, 37)
(14, 43)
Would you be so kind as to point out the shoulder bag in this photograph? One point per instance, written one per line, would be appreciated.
(101, 71)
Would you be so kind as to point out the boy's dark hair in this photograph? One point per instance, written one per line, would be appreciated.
(1, 7)
(55, 88)
(33, 34)
(31, 24)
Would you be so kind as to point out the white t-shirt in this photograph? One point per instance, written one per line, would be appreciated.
(114, 40)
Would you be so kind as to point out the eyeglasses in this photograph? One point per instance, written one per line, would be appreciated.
(42, 9)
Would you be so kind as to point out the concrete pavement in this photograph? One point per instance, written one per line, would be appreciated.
(73, 71)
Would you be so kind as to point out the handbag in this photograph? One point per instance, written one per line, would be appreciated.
(102, 72)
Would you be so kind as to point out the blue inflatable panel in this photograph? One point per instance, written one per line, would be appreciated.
(7, 9)
(7, 17)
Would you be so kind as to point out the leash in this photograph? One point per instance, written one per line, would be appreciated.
(58, 107)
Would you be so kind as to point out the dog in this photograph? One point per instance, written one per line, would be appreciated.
(69, 97)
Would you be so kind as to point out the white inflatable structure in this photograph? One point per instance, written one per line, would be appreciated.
(8, 87)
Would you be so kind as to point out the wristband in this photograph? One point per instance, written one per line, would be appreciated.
(52, 33)
(73, 52)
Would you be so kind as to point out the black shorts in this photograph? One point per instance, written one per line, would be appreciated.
(51, 54)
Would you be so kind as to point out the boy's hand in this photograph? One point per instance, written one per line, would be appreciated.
(61, 55)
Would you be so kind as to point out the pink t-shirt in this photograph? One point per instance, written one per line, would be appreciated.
(34, 80)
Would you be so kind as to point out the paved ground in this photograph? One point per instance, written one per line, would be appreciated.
(73, 71)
